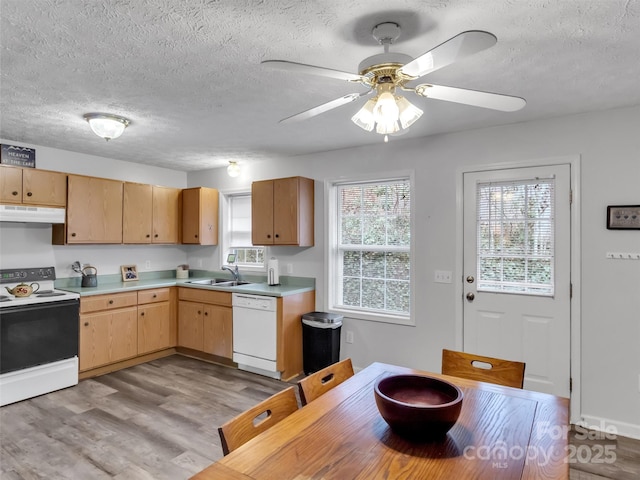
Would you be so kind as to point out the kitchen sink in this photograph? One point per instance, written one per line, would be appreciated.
(218, 282)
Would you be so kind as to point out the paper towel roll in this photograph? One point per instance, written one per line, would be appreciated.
(273, 272)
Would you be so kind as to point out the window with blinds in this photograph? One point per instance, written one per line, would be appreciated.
(515, 237)
(240, 232)
(372, 255)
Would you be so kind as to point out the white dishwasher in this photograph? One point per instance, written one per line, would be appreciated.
(254, 333)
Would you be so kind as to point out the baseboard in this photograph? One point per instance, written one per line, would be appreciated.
(606, 425)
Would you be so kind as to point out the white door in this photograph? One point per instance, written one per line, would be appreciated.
(517, 282)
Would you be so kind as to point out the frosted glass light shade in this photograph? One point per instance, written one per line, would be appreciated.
(233, 170)
(409, 113)
(364, 117)
(105, 125)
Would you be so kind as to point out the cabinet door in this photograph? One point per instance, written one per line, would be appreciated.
(107, 337)
(166, 202)
(124, 334)
(41, 187)
(154, 327)
(94, 340)
(262, 212)
(10, 184)
(285, 211)
(94, 210)
(200, 216)
(190, 325)
(218, 328)
(137, 213)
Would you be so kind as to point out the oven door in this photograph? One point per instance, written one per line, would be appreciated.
(38, 334)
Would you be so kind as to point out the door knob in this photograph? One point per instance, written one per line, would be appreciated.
(470, 296)
(470, 279)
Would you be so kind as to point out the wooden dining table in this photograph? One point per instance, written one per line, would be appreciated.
(502, 433)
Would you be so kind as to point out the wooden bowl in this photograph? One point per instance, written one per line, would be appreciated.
(418, 407)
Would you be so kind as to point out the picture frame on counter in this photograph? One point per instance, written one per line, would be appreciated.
(129, 273)
(623, 217)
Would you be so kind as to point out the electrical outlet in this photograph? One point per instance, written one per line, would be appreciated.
(200, 262)
(442, 276)
(289, 267)
(147, 264)
(349, 338)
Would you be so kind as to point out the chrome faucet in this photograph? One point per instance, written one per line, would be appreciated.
(234, 271)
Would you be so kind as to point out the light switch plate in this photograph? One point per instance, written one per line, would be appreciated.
(442, 276)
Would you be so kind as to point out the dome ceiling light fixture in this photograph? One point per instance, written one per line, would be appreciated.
(386, 73)
(233, 169)
(106, 125)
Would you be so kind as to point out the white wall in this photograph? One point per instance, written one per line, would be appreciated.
(608, 144)
(30, 245)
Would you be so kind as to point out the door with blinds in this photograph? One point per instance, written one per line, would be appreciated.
(517, 278)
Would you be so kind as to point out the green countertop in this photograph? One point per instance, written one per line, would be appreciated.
(114, 284)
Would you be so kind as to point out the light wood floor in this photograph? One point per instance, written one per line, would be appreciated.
(159, 421)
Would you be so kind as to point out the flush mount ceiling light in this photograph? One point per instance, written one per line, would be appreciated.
(106, 125)
(233, 170)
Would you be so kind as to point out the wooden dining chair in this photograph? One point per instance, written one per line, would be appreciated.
(250, 423)
(483, 369)
(322, 381)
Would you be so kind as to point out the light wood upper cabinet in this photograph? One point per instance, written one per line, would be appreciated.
(137, 211)
(150, 214)
(94, 210)
(31, 186)
(282, 212)
(166, 215)
(200, 216)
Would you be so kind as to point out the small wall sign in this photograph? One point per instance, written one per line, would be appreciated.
(18, 156)
(623, 217)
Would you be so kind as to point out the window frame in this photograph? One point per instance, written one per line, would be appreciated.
(331, 248)
(225, 238)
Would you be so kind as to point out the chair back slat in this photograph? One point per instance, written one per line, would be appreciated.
(250, 423)
(483, 369)
(322, 381)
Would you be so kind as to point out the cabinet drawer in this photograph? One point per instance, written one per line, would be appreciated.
(205, 296)
(108, 302)
(153, 296)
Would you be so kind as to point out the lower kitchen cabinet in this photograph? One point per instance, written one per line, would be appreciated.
(205, 321)
(155, 328)
(108, 337)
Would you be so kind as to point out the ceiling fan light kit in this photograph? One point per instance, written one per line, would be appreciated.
(106, 125)
(383, 73)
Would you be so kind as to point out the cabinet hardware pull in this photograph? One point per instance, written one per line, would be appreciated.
(86, 324)
(142, 314)
(110, 302)
(154, 295)
(268, 236)
(148, 235)
(277, 236)
(156, 235)
(199, 312)
(29, 194)
(73, 234)
(206, 313)
(14, 193)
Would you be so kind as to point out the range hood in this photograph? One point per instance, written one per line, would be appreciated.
(27, 214)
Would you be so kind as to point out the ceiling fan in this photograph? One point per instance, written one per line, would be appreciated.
(386, 73)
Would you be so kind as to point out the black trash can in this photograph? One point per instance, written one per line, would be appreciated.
(320, 340)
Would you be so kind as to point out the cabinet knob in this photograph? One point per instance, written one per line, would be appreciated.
(156, 235)
(29, 194)
(14, 193)
(73, 234)
(86, 324)
(110, 302)
(199, 312)
(268, 236)
(196, 235)
(142, 314)
(206, 314)
(155, 295)
(277, 236)
(148, 236)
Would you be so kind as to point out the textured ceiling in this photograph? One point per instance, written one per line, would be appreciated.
(188, 75)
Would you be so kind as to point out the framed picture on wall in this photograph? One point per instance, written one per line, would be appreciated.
(623, 217)
(129, 273)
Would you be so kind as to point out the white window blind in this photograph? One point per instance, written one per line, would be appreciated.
(373, 247)
(247, 255)
(515, 237)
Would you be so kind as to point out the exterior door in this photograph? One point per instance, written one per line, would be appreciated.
(517, 282)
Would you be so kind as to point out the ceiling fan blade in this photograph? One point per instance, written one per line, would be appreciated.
(495, 101)
(325, 107)
(454, 49)
(312, 70)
